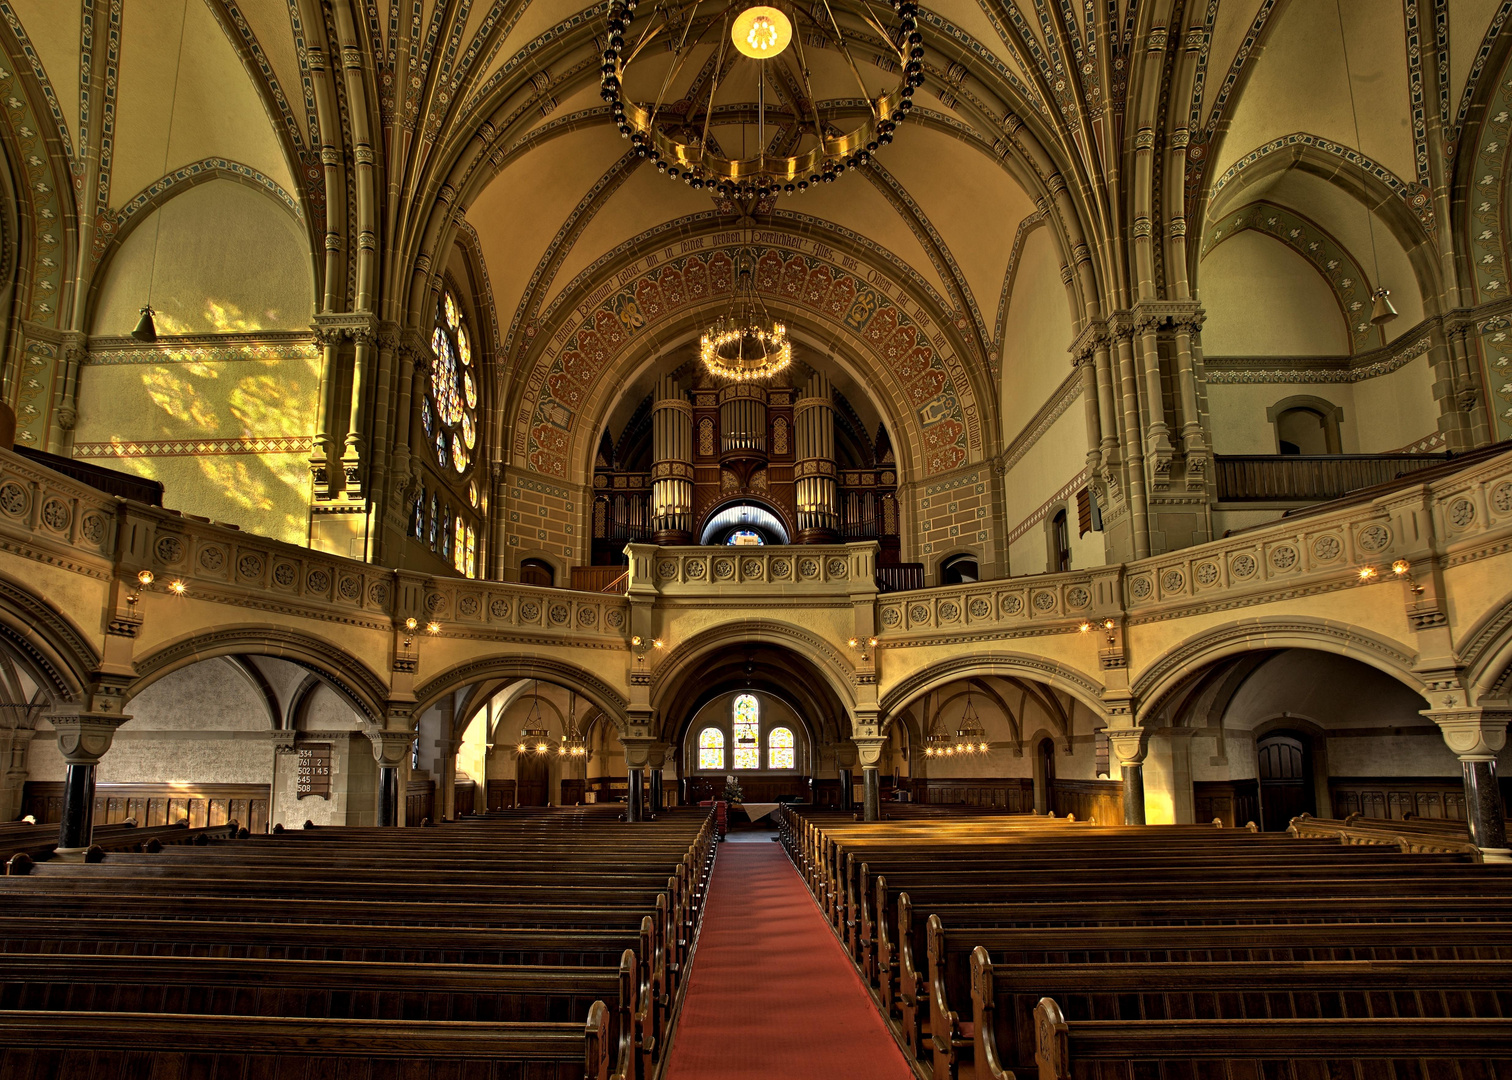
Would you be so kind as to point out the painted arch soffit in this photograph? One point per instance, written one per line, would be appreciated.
(604, 322)
(1345, 276)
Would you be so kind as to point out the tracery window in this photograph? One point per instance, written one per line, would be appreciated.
(459, 549)
(449, 414)
(781, 753)
(746, 723)
(711, 749)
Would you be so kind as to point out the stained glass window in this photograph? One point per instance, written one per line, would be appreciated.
(417, 519)
(711, 749)
(470, 565)
(453, 388)
(780, 752)
(744, 537)
(446, 533)
(433, 520)
(747, 728)
(472, 492)
(459, 552)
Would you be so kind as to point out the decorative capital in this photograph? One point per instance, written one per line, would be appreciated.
(1129, 745)
(1472, 734)
(390, 748)
(83, 738)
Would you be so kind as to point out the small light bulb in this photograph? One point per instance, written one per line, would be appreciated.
(540, 748)
(851, 643)
(1367, 572)
(658, 644)
(432, 628)
(1108, 624)
(410, 623)
(636, 640)
(178, 588)
(1084, 627)
(145, 578)
(1400, 567)
(982, 748)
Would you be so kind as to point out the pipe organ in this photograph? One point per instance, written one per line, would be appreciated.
(767, 445)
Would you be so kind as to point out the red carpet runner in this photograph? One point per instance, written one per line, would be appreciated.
(772, 996)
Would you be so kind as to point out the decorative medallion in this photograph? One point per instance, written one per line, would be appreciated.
(1140, 588)
(250, 565)
(92, 528)
(170, 549)
(1374, 537)
(499, 608)
(1013, 603)
(890, 616)
(1461, 513)
(435, 602)
(1242, 566)
(1283, 557)
(587, 616)
(950, 611)
(530, 611)
(781, 568)
(808, 567)
(560, 613)
(349, 587)
(319, 582)
(666, 569)
(1206, 573)
(918, 614)
(1173, 581)
(13, 498)
(837, 569)
(467, 606)
(1327, 548)
(378, 594)
(979, 607)
(1501, 498)
(284, 574)
(615, 618)
(1077, 597)
(750, 568)
(1044, 601)
(695, 569)
(55, 515)
(724, 568)
(211, 559)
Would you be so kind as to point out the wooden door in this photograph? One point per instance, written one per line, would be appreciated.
(1285, 780)
(534, 775)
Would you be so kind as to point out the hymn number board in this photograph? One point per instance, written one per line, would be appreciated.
(315, 770)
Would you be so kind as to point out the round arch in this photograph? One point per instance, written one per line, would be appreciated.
(349, 676)
(1019, 666)
(684, 660)
(1487, 654)
(58, 651)
(1171, 669)
(510, 668)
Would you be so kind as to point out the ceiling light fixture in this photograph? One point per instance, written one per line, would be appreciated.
(673, 131)
(745, 342)
(146, 327)
(1381, 309)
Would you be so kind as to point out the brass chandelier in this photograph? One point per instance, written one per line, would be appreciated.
(745, 342)
(806, 150)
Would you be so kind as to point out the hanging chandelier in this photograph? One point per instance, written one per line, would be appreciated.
(745, 342)
(574, 744)
(533, 733)
(971, 737)
(807, 141)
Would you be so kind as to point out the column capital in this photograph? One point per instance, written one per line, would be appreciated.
(83, 738)
(1129, 745)
(390, 748)
(641, 753)
(868, 750)
(1472, 734)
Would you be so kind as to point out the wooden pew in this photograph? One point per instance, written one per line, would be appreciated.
(1004, 997)
(1123, 1050)
(362, 990)
(129, 1046)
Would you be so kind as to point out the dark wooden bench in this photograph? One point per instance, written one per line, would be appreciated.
(130, 1046)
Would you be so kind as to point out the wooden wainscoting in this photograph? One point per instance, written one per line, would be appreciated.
(1397, 796)
(572, 790)
(467, 797)
(157, 804)
(1087, 799)
(501, 794)
(419, 801)
(828, 793)
(609, 788)
(1234, 802)
(1012, 793)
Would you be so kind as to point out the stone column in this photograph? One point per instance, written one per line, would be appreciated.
(83, 739)
(656, 760)
(869, 751)
(636, 793)
(847, 786)
(389, 749)
(1475, 736)
(1130, 747)
(446, 789)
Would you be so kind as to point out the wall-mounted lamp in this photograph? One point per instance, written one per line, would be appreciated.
(1108, 627)
(144, 579)
(641, 646)
(1402, 570)
(177, 588)
(864, 646)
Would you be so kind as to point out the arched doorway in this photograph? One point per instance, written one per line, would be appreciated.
(1044, 795)
(537, 572)
(1284, 762)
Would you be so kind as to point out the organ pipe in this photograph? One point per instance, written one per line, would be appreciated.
(814, 420)
(672, 468)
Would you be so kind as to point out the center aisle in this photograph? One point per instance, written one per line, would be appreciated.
(772, 996)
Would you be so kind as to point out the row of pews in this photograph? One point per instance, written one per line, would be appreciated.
(523, 945)
(1000, 946)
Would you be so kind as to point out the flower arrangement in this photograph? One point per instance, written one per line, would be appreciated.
(732, 793)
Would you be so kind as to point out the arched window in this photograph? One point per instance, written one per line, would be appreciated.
(746, 723)
(959, 570)
(780, 752)
(711, 749)
(1060, 543)
(459, 549)
(450, 413)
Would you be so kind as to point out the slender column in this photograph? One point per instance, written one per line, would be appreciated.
(1130, 747)
(672, 468)
(389, 750)
(872, 779)
(637, 792)
(1157, 431)
(353, 458)
(1475, 736)
(321, 459)
(847, 782)
(656, 791)
(814, 470)
(1129, 380)
(1107, 413)
(446, 790)
(83, 739)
